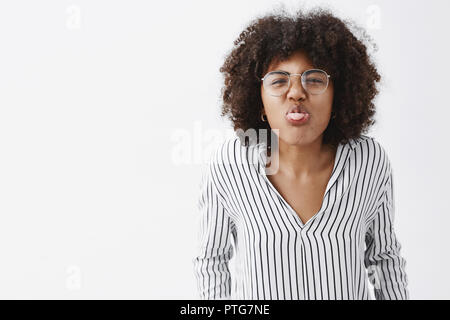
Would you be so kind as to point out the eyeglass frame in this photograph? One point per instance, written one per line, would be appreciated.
(301, 80)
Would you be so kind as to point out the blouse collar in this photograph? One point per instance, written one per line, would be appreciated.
(259, 157)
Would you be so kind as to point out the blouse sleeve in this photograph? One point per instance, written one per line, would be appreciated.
(214, 249)
(386, 266)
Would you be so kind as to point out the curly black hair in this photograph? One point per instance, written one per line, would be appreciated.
(330, 45)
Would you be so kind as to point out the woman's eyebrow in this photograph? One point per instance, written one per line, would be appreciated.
(280, 70)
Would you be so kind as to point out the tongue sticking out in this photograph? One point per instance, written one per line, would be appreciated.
(296, 116)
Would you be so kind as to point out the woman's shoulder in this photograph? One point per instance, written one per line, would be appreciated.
(365, 142)
(370, 148)
(231, 151)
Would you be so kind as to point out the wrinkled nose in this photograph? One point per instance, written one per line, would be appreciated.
(296, 90)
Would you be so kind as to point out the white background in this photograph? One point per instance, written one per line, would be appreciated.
(98, 99)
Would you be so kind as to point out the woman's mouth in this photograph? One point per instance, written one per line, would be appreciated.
(297, 118)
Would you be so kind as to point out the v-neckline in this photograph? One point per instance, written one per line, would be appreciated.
(334, 175)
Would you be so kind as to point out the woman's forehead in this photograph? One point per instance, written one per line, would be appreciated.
(295, 63)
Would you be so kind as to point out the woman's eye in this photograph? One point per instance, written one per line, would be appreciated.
(279, 82)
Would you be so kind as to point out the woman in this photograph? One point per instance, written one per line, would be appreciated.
(321, 225)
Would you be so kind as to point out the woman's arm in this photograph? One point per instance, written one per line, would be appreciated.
(385, 264)
(214, 243)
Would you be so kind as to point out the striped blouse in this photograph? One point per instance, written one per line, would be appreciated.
(253, 245)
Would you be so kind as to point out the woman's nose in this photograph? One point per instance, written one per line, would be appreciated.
(296, 89)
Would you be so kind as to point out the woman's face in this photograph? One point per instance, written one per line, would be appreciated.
(318, 106)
